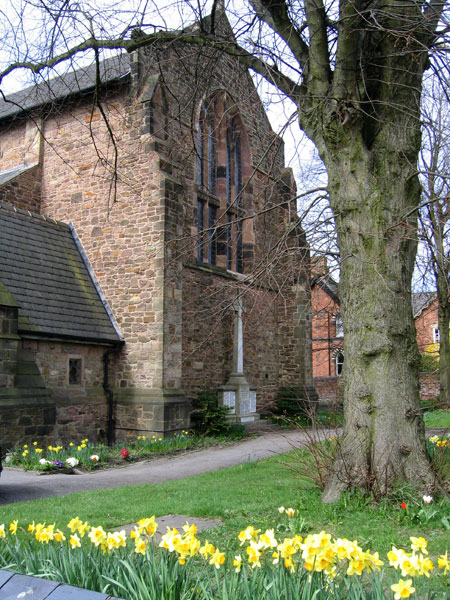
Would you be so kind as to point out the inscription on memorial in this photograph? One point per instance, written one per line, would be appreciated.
(229, 399)
(244, 400)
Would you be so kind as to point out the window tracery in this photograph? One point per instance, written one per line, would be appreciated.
(222, 156)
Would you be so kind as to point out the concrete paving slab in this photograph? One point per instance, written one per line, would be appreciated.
(177, 521)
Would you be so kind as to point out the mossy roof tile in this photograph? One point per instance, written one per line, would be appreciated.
(40, 264)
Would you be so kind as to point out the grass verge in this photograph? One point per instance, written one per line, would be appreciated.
(249, 494)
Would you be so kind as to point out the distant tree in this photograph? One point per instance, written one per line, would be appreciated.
(434, 217)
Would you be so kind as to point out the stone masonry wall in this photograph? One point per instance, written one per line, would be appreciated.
(33, 420)
(123, 234)
(208, 318)
(136, 224)
(22, 145)
(24, 191)
(81, 410)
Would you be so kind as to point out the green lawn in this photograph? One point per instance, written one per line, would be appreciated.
(248, 494)
(437, 418)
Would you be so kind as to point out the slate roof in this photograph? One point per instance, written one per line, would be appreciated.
(73, 82)
(329, 286)
(420, 300)
(6, 176)
(41, 265)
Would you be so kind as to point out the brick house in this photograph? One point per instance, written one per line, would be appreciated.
(174, 218)
(425, 309)
(328, 333)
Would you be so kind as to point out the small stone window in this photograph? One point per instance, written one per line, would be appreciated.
(75, 371)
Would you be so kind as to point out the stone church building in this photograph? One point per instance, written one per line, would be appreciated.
(147, 221)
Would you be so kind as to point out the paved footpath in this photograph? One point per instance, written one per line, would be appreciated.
(18, 486)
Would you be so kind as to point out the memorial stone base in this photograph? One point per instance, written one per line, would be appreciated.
(240, 398)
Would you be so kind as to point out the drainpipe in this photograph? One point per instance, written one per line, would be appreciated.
(109, 394)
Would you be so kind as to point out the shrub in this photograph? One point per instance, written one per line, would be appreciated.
(429, 363)
(208, 417)
(291, 401)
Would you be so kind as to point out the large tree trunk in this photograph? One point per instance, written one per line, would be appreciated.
(373, 195)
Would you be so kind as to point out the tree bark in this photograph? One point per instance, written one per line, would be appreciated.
(383, 436)
(444, 341)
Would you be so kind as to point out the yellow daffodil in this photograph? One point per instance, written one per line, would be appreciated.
(419, 544)
(254, 554)
(2, 531)
(443, 562)
(35, 443)
(344, 549)
(237, 563)
(372, 561)
(97, 535)
(286, 548)
(268, 539)
(43, 534)
(169, 539)
(149, 525)
(217, 559)
(38, 450)
(74, 541)
(207, 549)
(403, 589)
(356, 565)
(247, 534)
(396, 557)
(115, 540)
(59, 536)
(425, 565)
(410, 565)
(31, 527)
(73, 524)
(13, 527)
(139, 546)
(82, 528)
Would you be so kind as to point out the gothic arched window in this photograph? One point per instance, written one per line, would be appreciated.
(234, 198)
(222, 150)
(207, 184)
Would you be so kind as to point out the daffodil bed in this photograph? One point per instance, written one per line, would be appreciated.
(182, 567)
(87, 455)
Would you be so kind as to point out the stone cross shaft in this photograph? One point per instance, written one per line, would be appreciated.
(238, 345)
